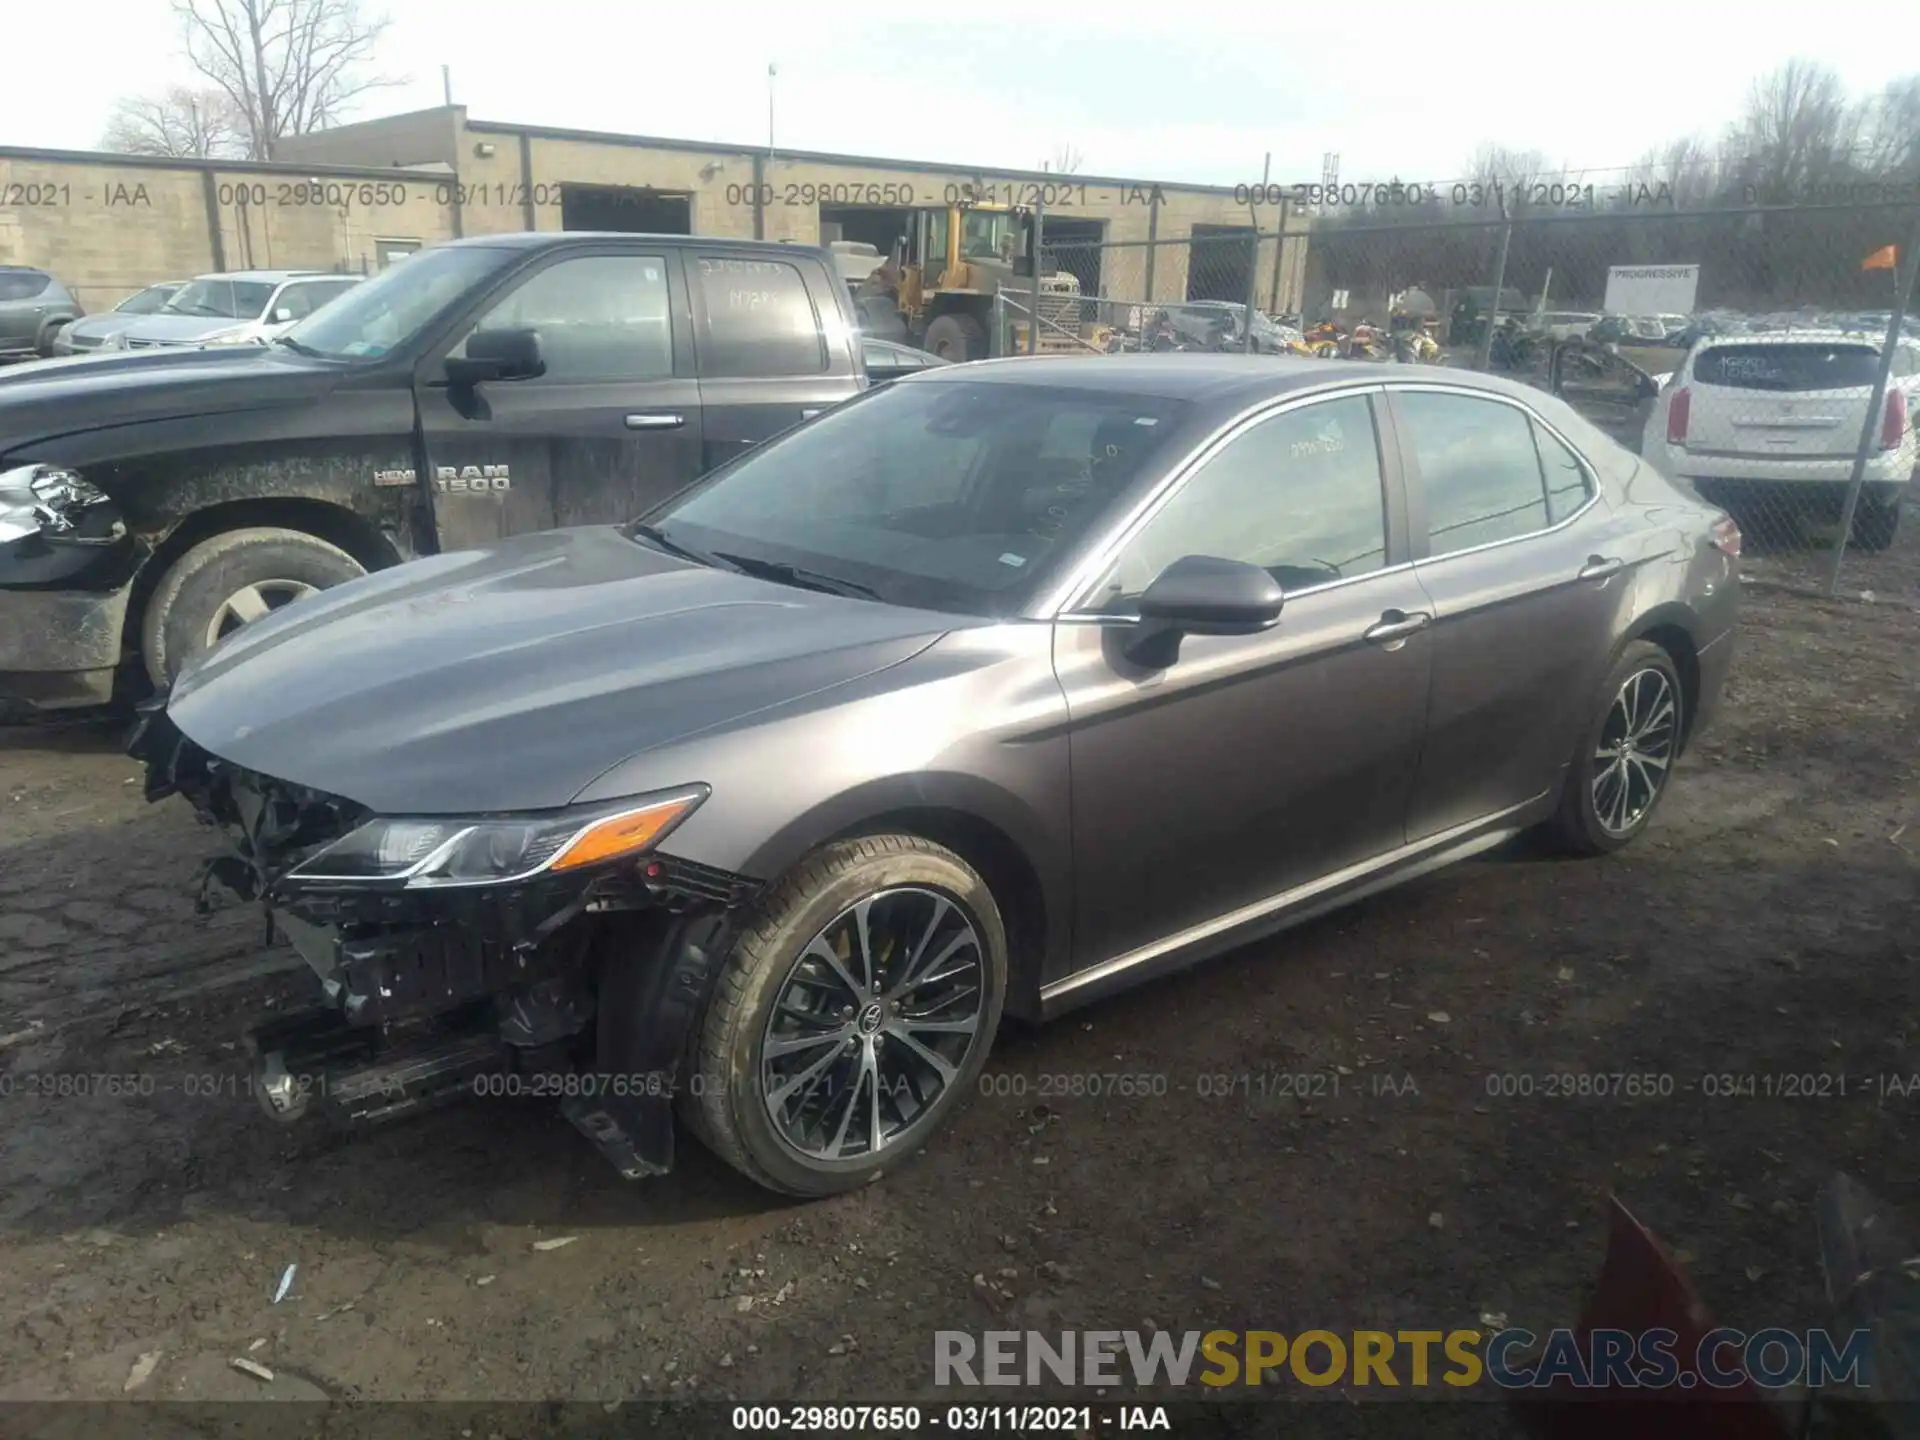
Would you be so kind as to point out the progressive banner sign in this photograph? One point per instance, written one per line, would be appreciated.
(1651, 289)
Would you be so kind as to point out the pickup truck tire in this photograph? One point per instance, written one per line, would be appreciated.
(957, 338)
(792, 1015)
(228, 579)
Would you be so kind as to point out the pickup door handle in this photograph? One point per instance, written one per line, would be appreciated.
(1601, 567)
(655, 422)
(1395, 626)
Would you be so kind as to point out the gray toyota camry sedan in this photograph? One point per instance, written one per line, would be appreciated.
(991, 691)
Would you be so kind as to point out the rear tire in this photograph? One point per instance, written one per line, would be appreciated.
(1612, 788)
(765, 1092)
(228, 579)
(957, 338)
(1875, 524)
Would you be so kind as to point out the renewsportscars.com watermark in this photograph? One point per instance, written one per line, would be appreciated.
(1510, 1359)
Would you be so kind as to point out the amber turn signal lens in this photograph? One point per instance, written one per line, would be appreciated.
(619, 835)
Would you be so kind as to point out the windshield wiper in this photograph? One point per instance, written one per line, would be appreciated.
(794, 575)
(672, 547)
(298, 348)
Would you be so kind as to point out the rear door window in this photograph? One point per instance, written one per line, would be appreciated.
(1479, 468)
(1788, 367)
(22, 284)
(755, 319)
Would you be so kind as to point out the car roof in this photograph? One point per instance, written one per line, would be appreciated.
(545, 239)
(1201, 378)
(273, 276)
(1824, 336)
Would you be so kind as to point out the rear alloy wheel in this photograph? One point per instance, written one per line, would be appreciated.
(230, 580)
(851, 1018)
(1627, 755)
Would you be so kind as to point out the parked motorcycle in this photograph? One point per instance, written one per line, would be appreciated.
(1326, 340)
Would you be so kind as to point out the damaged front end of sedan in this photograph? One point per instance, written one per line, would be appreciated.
(555, 953)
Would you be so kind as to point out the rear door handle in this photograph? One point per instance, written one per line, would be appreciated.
(655, 422)
(1395, 626)
(1601, 567)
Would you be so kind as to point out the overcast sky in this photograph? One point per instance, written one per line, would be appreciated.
(1167, 92)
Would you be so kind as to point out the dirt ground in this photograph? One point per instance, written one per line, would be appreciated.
(1766, 926)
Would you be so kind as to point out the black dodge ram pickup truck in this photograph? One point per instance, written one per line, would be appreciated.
(152, 501)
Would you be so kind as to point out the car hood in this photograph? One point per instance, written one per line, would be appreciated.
(179, 329)
(509, 678)
(111, 323)
(50, 398)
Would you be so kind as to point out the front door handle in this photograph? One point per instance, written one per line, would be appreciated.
(1395, 626)
(655, 422)
(1601, 567)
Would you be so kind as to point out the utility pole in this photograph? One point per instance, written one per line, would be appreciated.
(446, 84)
(772, 70)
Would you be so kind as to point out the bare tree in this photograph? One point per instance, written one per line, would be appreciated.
(1890, 132)
(199, 123)
(288, 66)
(1066, 160)
(1799, 128)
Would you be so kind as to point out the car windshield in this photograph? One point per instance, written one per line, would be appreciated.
(219, 298)
(986, 235)
(1788, 367)
(148, 300)
(946, 496)
(385, 313)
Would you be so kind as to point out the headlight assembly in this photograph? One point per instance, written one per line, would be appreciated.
(43, 500)
(423, 854)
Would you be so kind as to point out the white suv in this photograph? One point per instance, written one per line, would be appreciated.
(1753, 417)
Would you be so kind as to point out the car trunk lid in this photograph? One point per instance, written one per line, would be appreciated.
(1781, 400)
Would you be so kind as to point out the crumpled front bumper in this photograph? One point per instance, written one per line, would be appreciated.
(60, 648)
(582, 987)
(66, 572)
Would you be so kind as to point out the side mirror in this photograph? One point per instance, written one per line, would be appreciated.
(282, 314)
(506, 354)
(1202, 595)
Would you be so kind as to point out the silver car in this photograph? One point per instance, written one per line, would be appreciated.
(85, 336)
(245, 306)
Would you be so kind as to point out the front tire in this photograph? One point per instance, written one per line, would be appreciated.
(958, 338)
(227, 580)
(1626, 756)
(853, 1016)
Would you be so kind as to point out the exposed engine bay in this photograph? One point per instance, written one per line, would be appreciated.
(580, 985)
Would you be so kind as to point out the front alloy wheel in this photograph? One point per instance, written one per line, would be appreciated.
(873, 1024)
(852, 1015)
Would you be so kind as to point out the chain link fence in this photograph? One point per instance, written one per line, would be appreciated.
(1765, 357)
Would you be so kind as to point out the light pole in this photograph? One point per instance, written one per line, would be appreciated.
(772, 70)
